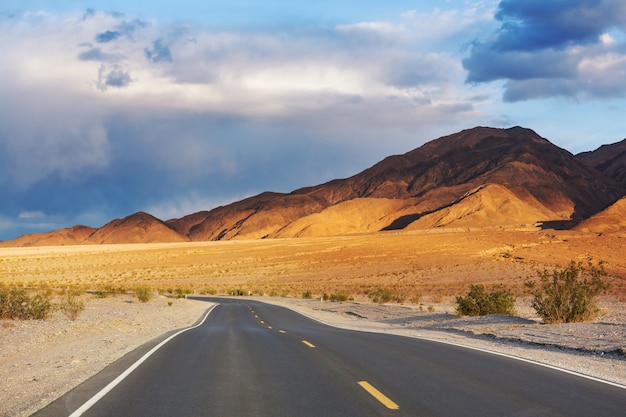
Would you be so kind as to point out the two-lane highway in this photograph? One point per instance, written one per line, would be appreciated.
(253, 359)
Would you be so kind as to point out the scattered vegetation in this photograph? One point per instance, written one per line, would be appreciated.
(479, 302)
(337, 297)
(386, 295)
(18, 304)
(307, 294)
(567, 295)
(183, 292)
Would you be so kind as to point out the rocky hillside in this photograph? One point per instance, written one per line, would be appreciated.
(477, 178)
(608, 159)
(537, 181)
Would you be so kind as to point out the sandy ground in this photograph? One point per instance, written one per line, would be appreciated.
(41, 360)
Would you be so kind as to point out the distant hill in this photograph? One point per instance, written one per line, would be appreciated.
(74, 235)
(478, 178)
(136, 228)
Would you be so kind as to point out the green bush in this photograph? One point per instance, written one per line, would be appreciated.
(479, 303)
(182, 292)
(567, 295)
(16, 303)
(71, 305)
(307, 294)
(144, 294)
(385, 295)
(336, 297)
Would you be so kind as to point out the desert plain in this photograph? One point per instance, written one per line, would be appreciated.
(423, 270)
(421, 266)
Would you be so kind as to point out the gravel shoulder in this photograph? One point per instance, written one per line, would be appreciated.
(41, 360)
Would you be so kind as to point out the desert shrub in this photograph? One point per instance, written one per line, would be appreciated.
(209, 291)
(478, 302)
(39, 307)
(16, 303)
(385, 295)
(336, 297)
(181, 292)
(143, 294)
(307, 294)
(567, 295)
(71, 305)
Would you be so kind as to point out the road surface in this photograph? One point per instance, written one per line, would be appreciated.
(254, 359)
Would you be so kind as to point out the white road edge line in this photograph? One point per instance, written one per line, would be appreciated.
(104, 391)
(506, 355)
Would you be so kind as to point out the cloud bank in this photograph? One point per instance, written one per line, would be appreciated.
(571, 48)
(104, 114)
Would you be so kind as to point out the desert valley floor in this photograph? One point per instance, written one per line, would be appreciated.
(425, 269)
(425, 265)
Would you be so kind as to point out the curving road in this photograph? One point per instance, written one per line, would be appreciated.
(253, 359)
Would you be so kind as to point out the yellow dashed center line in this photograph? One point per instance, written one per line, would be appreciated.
(309, 344)
(282, 331)
(384, 400)
(269, 327)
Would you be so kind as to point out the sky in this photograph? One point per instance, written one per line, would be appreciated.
(108, 108)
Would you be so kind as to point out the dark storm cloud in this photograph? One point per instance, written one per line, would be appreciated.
(530, 25)
(544, 48)
(159, 52)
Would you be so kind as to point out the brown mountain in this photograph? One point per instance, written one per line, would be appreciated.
(74, 235)
(136, 228)
(422, 182)
(481, 177)
(608, 159)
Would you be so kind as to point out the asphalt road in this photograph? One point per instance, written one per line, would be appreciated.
(255, 359)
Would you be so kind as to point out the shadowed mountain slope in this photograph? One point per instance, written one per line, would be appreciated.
(611, 219)
(608, 159)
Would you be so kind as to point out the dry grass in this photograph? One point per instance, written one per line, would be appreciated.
(426, 266)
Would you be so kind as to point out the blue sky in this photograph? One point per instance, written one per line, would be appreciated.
(112, 107)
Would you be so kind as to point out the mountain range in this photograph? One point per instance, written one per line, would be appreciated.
(475, 179)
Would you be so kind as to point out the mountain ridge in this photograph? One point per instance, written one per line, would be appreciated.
(452, 181)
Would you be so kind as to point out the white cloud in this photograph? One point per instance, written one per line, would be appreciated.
(29, 215)
(606, 39)
(245, 74)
